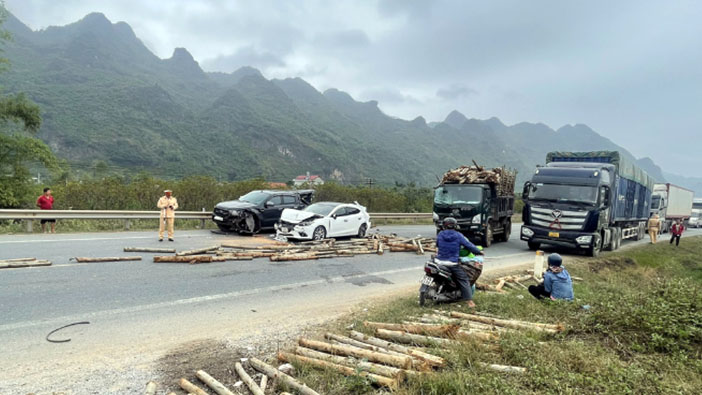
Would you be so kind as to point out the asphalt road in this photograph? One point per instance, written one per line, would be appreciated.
(132, 305)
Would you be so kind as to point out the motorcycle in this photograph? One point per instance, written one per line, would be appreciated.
(438, 284)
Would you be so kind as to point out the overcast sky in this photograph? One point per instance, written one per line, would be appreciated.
(631, 70)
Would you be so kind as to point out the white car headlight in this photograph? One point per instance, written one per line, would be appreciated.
(435, 217)
(476, 219)
(527, 232)
(584, 239)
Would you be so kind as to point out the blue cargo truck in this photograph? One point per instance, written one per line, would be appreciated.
(586, 200)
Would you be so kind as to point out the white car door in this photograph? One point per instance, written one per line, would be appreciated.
(355, 220)
(336, 222)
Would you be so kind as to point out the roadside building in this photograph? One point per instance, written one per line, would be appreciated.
(308, 179)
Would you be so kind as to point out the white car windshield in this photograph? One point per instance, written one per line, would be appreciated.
(322, 209)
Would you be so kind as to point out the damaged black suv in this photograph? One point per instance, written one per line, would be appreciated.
(258, 210)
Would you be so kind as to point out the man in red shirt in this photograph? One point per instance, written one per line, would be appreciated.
(46, 202)
(677, 231)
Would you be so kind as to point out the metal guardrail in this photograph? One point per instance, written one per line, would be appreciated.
(28, 216)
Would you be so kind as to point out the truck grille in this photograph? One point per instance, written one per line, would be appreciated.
(558, 219)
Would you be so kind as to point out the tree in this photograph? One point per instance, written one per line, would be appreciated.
(20, 120)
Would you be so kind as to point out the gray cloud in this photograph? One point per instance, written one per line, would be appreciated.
(629, 69)
(455, 91)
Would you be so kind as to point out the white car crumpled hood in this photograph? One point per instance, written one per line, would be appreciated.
(295, 216)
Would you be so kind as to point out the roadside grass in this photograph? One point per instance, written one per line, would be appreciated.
(107, 225)
(635, 327)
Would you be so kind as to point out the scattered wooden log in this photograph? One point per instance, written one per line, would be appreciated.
(430, 359)
(504, 368)
(264, 383)
(253, 387)
(338, 349)
(409, 338)
(149, 249)
(150, 388)
(15, 264)
(359, 344)
(371, 367)
(380, 380)
(549, 328)
(422, 329)
(189, 259)
(292, 257)
(107, 259)
(475, 334)
(191, 388)
(17, 260)
(500, 284)
(198, 251)
(212, 383)
(275, 374)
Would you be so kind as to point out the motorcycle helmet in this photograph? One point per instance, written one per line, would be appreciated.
(555, 260)
(450, 223)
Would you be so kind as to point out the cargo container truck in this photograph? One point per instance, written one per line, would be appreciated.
(671, 203)
(586, 200)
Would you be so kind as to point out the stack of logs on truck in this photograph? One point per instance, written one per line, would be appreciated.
(586, 200)
(481, 200)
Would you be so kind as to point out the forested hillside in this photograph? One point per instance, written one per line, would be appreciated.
(106, 98)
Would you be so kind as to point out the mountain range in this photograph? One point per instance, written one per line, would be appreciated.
(105, 97)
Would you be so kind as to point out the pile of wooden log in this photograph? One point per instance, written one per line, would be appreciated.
(502, 177)
(499, 284)
(23, 262)
(310, 250)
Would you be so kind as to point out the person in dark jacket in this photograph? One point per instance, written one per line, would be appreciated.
(449, 243)
(557, 282)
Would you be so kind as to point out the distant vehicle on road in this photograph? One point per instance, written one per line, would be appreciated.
(324, 219)
(258, 210)
(695, 219)
(671, 203)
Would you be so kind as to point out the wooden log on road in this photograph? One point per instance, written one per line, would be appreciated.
(293, 257)
(410, 338)
(338, 349)
(17, 260)
(371, 367)
(430, 359)
(421, 329)
(264, 383)
(198, 251)
(150, 388)
(548, 328)
(191, 388)
(150, 249)
(253, 387)
(20, 264)
(189, 259)
(277, 375)
(108, 259)
(377, 379)
(213, 383)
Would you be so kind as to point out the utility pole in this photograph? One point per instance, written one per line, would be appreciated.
(370, 182)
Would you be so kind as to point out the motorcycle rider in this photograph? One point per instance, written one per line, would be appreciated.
(449, 243)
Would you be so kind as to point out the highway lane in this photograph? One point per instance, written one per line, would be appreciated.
(134, 306)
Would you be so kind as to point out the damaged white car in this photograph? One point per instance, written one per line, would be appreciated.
(322, 220)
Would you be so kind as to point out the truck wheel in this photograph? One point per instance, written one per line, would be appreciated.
(619, 238)
(487, 237)
(534, 246)
(594, 251)
(612, 241)
(642, 231)
(507, 230)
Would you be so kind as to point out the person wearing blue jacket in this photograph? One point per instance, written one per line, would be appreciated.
(449, 243)
(557, 282)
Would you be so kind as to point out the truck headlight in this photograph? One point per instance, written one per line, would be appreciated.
(476, 219)
(583, 239)
(435, 217)
(527, 232)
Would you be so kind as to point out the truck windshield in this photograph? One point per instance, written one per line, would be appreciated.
(255, 197)
(563, 193)
(655, 201)
(459, 194)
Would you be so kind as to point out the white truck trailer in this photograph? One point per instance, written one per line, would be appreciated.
(671, 202)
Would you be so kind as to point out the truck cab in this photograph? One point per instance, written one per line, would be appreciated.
(481, 213)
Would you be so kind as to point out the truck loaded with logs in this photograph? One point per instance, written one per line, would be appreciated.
(586, 200)
(481, 200)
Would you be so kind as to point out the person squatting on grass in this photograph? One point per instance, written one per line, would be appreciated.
(449, 243)
(676, 231)
(557, 283)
